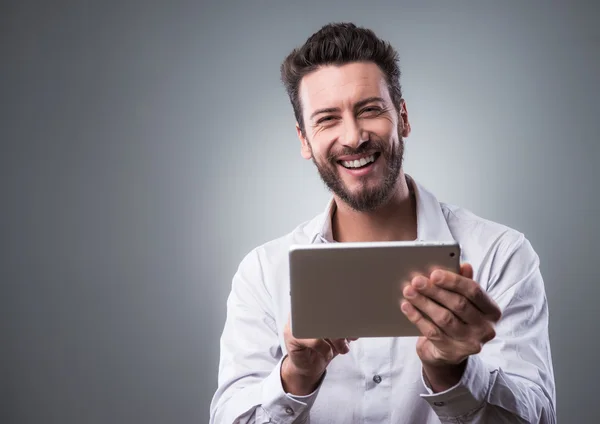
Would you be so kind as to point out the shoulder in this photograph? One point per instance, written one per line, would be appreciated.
(490, 246)
(465, 224)
(263, 274)
(273, 254)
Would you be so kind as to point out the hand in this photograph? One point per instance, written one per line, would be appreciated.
(456, 318)
(307, 360)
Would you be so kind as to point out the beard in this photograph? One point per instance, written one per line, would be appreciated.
(366, 198)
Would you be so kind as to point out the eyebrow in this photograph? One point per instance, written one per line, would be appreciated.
(358, 105)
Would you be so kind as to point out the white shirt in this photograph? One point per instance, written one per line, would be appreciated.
(380, 381)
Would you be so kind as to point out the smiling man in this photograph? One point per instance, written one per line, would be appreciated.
(484, 354)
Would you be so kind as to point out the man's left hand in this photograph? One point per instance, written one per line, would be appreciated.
(456, 318)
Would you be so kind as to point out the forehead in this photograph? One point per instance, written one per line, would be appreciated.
(336, 86)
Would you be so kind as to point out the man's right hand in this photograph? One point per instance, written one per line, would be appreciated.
(307, 360)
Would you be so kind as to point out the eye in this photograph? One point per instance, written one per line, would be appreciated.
(371, 109)
(326, 119)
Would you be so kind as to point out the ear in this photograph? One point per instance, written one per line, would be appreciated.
(403, 119)
(305, 149)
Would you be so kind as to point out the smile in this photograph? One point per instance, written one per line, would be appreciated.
(359, 163)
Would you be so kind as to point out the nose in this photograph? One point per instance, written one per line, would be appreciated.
(353, 134)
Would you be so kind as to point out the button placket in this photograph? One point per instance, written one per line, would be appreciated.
(376, 357)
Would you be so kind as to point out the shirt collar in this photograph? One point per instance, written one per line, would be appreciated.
(431, 223)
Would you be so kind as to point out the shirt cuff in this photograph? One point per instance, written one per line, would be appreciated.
(467, 396)
(282, 407)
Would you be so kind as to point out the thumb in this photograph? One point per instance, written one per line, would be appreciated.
(466, 270)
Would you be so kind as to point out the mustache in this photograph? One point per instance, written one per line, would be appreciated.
(368, 147)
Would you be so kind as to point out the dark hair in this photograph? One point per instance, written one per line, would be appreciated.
(338, 44)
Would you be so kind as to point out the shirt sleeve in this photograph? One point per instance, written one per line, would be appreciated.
(249, 388)
(512, 378)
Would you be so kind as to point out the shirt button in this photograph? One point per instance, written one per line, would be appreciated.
(289, 410)
(439, 403)
(377, 378)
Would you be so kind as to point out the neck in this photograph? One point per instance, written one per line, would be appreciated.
(396, 220)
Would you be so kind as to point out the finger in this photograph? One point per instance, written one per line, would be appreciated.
(466, 270)
(426, 327)
(469, 289)
(488, 334)
(333, 349)
(439, 315)
(340, 345)
(456, 303)
(321, 347)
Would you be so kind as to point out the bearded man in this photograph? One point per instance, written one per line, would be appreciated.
(484, 353)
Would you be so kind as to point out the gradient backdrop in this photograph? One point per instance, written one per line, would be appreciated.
(146, 147)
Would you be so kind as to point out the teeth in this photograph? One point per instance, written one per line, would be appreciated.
(359, 162)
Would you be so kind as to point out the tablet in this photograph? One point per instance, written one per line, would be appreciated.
(353, 290)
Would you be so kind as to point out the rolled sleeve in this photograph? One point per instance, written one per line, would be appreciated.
(467, 396)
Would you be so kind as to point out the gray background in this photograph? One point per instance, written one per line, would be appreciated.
(146, 147)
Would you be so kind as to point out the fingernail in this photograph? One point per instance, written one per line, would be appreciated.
(409, 292)
(420, 283)
(404, 307)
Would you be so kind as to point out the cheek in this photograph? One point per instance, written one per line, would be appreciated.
(322, 145)
(383, 128)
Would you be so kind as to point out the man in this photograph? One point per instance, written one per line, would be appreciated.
(484, 354)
